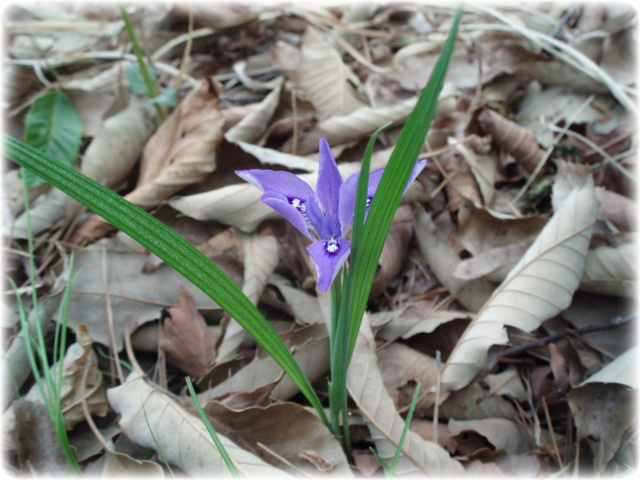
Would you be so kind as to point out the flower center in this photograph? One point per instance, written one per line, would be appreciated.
(332, 245)
(297, 204)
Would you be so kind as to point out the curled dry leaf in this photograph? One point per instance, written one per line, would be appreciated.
(385, 424)
(621, 211)
(253, 125)
(79, 356)
(148, 415)
(116, 464)
(512, 138)
(187, 340)
(539, 286)
(287, 428)
(181, 152)
(260, 254)
(302, 306)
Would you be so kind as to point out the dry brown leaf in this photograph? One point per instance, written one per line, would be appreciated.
(181, 152)
(311, 345)
(79, 356)
(538, 287)
(184, 336)
(401, 368)
(181, 436)
(443, 260)
(37, 445)
(502, 433)
(487, 262)
(219, 15)
(322, 77)
(117, 464)
(252, 126)
(385, 424)
(132, 293)
(394, 251)
(286, 428)
(512, 138)
(260, 254)
(302, 306)
(461, 186)
(619, 210)
(476, 402)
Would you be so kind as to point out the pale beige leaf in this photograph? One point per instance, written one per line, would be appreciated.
(260, 260)
(146, 412)
(133, 294)
(621, 370)
(79, 356)
(116, 464)
(474, 401)
(385, 424)
(250, 128)
(611, 271)
(269, 156)
(504, 434)
(443, 260)
(311, 351)
(539, 286)
(322, 77)
(291, 430)
(302, 306)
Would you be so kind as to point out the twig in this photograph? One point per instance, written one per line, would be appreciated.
(109, 314)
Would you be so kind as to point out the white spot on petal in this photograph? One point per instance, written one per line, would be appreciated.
(332, 245)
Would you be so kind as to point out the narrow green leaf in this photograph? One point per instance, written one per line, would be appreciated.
(212, 433)
(54, 127)
(166, 98)
(366, 252)
(170, 247)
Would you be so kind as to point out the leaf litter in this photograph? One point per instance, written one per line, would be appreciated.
(506, 285)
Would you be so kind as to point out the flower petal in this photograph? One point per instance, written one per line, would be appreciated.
(329, 254)
(329, 181)
(292, 214)
(347, 203)
(284, 183)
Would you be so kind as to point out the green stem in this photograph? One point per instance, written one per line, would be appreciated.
(151, 89)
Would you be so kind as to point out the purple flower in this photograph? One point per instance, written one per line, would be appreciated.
(324, 215)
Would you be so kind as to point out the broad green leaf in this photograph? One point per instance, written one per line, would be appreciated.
(170, 247)
(54, 127)
(366, 251)
(167, 98)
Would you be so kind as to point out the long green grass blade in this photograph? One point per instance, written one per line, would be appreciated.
(170, 247)
(212, 433)
(366, 252)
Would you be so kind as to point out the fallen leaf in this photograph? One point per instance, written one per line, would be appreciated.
(252, 126)
(611, 271)
(287, 428)
(157, 420)
(311, 351)
(37, 445)
(79, 356)
(443, 260)
(116, 464)
(302, 306)
(538, 287)
(322, 77)
(184, 336)
(181, 152)
(260, 254)
(385, 424)
(132, 293)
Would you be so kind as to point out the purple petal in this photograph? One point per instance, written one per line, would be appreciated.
(350, 186)
(293, 215)
(329, 254)
(284, 183)
(329, 181)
